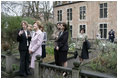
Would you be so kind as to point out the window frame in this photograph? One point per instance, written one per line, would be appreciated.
(80, 29)
(102, 36)
(81, 12)
(59, 15)
(104, 9)
(69, 14)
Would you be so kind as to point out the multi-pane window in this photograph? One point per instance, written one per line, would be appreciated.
(71, 30)
(59, 15)
(83, 26)
(82, 12)
(69, 14)
(103, 10)
(103, 30)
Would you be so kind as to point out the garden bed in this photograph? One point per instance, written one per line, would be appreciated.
(105, 63)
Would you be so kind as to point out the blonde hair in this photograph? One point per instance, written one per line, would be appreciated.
(39, 24)
(25, 22)
(29, 25)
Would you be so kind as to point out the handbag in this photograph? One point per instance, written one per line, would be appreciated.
(88, 44)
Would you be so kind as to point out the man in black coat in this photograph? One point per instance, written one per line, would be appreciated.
(24, 38)
(111, 35)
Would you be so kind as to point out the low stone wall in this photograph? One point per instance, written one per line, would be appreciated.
(8, 61)
(44, 70)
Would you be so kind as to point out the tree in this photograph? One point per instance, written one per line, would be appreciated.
(48, 26)
(46, 10)
(37, 9)
(11, 7)
(10, 26)
(31, 9)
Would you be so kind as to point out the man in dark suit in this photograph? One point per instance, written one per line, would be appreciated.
(24, 38)
(111, 35)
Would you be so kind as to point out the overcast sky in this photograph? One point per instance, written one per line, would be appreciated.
(17, 9)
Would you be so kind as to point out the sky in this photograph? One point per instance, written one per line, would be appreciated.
(17, 9)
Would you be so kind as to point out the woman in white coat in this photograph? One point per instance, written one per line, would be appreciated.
(35, 47)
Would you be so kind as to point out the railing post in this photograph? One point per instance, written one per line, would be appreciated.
(37, 72)
(9, 62)
(76, 70)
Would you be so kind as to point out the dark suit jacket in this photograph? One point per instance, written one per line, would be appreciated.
(23, 41)
(62, 41)
(111, 34)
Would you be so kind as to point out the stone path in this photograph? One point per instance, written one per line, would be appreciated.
(92, 55)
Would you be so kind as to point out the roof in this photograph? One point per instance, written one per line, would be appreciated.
(67, 4)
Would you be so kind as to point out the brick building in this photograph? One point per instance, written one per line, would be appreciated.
(94, 16)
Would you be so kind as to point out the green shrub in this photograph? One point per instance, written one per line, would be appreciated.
(107, 60)
(48, 26)
(9, 28)
(72, 47)
(15, 67)
(29, 20)
(49, 49)
(106, 46)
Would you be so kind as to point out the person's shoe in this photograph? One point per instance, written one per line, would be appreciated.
(29, 73)
(64, 74)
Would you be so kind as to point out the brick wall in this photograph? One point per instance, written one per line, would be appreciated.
(92, 20)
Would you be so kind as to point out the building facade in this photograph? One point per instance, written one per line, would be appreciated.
(95, 16)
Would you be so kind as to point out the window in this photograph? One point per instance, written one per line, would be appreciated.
(103, 30)
(59, 15)
(103, 10)
(83, 26)
(82, 12)
(69, 14)
(71, 30)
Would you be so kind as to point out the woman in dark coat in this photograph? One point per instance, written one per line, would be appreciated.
(62, 45)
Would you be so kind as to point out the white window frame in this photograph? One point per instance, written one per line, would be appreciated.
(85, 13)
(69, 13)
(79, 28)
(59, 15)
(103, 10)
